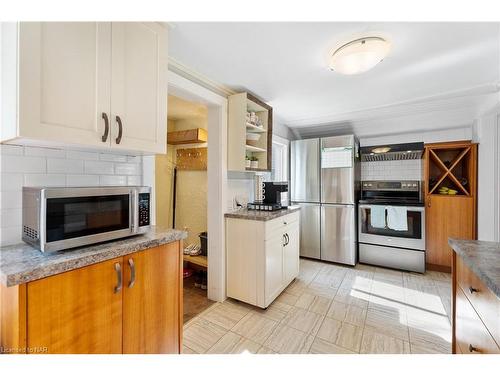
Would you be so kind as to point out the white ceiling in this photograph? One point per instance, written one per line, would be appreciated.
(285, 64)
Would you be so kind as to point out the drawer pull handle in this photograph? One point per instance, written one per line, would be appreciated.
(120, 130)
(473, 290)
(472, 348)
(106, 127)
(118, 270)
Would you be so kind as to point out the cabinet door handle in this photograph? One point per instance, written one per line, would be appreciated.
(428, 202)
(131, 264)
(287, 239)
(472, 348)
(106, 127)
(473, 290)
(118, 270)
(120, 130)
(284, 240)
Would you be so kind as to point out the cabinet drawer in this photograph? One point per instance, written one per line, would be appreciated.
(486, 304)
(275, 225)
(471, 335)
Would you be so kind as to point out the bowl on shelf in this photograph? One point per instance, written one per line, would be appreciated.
(253, 139)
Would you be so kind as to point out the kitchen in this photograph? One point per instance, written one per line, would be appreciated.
(372, 229)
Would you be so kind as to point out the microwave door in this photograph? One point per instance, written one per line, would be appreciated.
(77, 220)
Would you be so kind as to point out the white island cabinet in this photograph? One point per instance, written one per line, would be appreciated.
(101, 85)
(262, 257)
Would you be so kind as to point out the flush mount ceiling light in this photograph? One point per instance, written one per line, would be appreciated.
(359, 55)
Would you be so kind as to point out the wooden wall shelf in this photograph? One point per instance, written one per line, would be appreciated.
(182, 137)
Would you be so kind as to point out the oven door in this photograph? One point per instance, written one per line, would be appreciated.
(82, 216)
(413, 238)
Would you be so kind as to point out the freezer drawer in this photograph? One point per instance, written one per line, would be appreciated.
(338, 234)
(305, 174)
(310, 230)
(392, 257)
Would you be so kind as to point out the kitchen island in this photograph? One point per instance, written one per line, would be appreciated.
(121, 296)
(476, 296)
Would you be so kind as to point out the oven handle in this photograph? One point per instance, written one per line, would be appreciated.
(409, 208)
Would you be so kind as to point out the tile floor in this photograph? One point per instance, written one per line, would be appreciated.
(334, 309)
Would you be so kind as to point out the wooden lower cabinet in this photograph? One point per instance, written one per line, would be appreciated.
(130, 304)
(152, 307)
(447, 217)
(76, 311)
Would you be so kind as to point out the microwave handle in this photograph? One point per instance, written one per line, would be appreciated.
(134, 211)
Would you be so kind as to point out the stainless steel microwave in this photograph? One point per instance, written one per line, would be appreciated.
(62, 218)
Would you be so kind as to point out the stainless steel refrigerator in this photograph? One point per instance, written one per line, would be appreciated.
(325, 177)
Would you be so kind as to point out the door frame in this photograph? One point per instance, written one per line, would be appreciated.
(216, 174)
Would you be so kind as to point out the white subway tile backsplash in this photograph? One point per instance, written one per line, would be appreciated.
(48, 152)
(82, 155)
(392, 170)
(134, 180)
(113, 180)
(127, 168)
(11, 199)
(22, 164)
(113, 157)
(82, 180)
(11, 181)
(98, 167)
(37, 166)
(10, 235)
(11, 217)
(44, 179)
(64, 166)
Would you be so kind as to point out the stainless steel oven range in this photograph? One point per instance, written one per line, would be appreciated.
(391, 230)
(62, 218)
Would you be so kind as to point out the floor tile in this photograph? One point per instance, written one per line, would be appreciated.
(391, 321)
(288, 340)
(255, 327)
(321, 290)
(353, 297)
(340, 333)
(276, 311)
(320, 346)
(225, 315)
(347, 313)
(264, 350)
(303, 320)
(288, 298)
(431, 339)
(231, 343)
(186, 350)
(202, 335)
(374, 342)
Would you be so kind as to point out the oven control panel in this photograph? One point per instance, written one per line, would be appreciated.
(144, 200)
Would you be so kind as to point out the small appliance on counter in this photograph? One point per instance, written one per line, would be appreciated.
(269, 196)
(392, 225)
(62, 218)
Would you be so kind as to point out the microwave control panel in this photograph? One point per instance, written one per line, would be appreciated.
(143, 209)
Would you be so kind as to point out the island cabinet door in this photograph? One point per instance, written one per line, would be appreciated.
(77, 312)
(152, 300)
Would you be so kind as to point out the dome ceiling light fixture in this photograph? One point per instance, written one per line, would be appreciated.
(359, 55)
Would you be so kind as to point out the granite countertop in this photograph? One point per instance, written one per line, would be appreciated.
(22, 263)
(260, 215)
(483, 258)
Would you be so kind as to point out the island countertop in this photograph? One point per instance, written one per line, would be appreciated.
(246, 214)
(483, 258)
(22, 263)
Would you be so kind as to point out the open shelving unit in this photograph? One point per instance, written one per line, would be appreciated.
(239, 127)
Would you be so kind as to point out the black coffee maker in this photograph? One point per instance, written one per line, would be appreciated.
(273, 192)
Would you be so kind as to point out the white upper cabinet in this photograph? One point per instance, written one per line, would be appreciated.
(64, 81)
(139, 86)
(78, 80)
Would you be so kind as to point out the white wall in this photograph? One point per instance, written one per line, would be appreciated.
(35, 166)
(445, 135)
(487, 133)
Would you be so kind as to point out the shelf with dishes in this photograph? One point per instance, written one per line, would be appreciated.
(249, 134)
